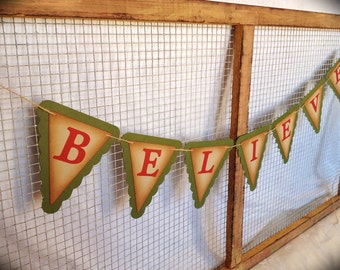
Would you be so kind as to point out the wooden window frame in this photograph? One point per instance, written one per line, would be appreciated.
(244, 18)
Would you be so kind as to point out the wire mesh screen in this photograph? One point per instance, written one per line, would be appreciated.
(159, 79)
(287, 65)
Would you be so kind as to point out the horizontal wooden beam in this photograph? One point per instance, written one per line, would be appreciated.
(194, 11)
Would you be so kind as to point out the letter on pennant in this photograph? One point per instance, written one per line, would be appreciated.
(147, 160)
(284, 131)
(204, 161)
(312, 106)
(334, 78)
(70, 144)
(251, 148)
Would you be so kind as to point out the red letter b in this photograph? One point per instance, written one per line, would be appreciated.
(70, 144)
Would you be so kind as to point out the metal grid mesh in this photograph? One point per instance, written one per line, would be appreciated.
(287, 64)
(160, 79)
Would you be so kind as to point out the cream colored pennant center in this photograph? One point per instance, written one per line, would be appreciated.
(72, 144)
(313, 107)
(148, 162)
(205, 161)
(253, 149)
(285, 131)
(335, 78)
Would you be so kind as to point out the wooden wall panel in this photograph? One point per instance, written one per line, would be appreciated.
(197, 11)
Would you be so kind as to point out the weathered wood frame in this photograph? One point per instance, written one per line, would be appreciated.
(244, 19)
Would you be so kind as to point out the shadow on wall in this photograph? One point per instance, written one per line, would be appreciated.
(26, 183)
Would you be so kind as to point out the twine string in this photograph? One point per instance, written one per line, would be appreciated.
(119, 139)
(26, 99)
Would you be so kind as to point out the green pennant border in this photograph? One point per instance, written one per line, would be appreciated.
(321, 83)
(44, 150)
(330, 82)
(247, 136)
(221, 142)
(276, 136)
(128, 166)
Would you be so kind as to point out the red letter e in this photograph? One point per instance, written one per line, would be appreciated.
(148, 161)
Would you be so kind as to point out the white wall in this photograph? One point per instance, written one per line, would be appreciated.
(327, 6)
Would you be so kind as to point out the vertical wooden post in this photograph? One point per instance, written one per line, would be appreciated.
(243, 49)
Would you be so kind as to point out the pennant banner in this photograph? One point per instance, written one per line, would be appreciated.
(72, 142)
(204, 161)
(284, 131)
(312, 105)
(250, 148)
(334, 78)
(147, 160)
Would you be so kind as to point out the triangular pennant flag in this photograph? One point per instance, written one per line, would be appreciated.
(147, 160)
(70, 144)
(312, 105)
(250, 148)
(284, 131)
(204, 161)
(334, 78)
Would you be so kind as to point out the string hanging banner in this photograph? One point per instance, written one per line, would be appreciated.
(71, 143)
